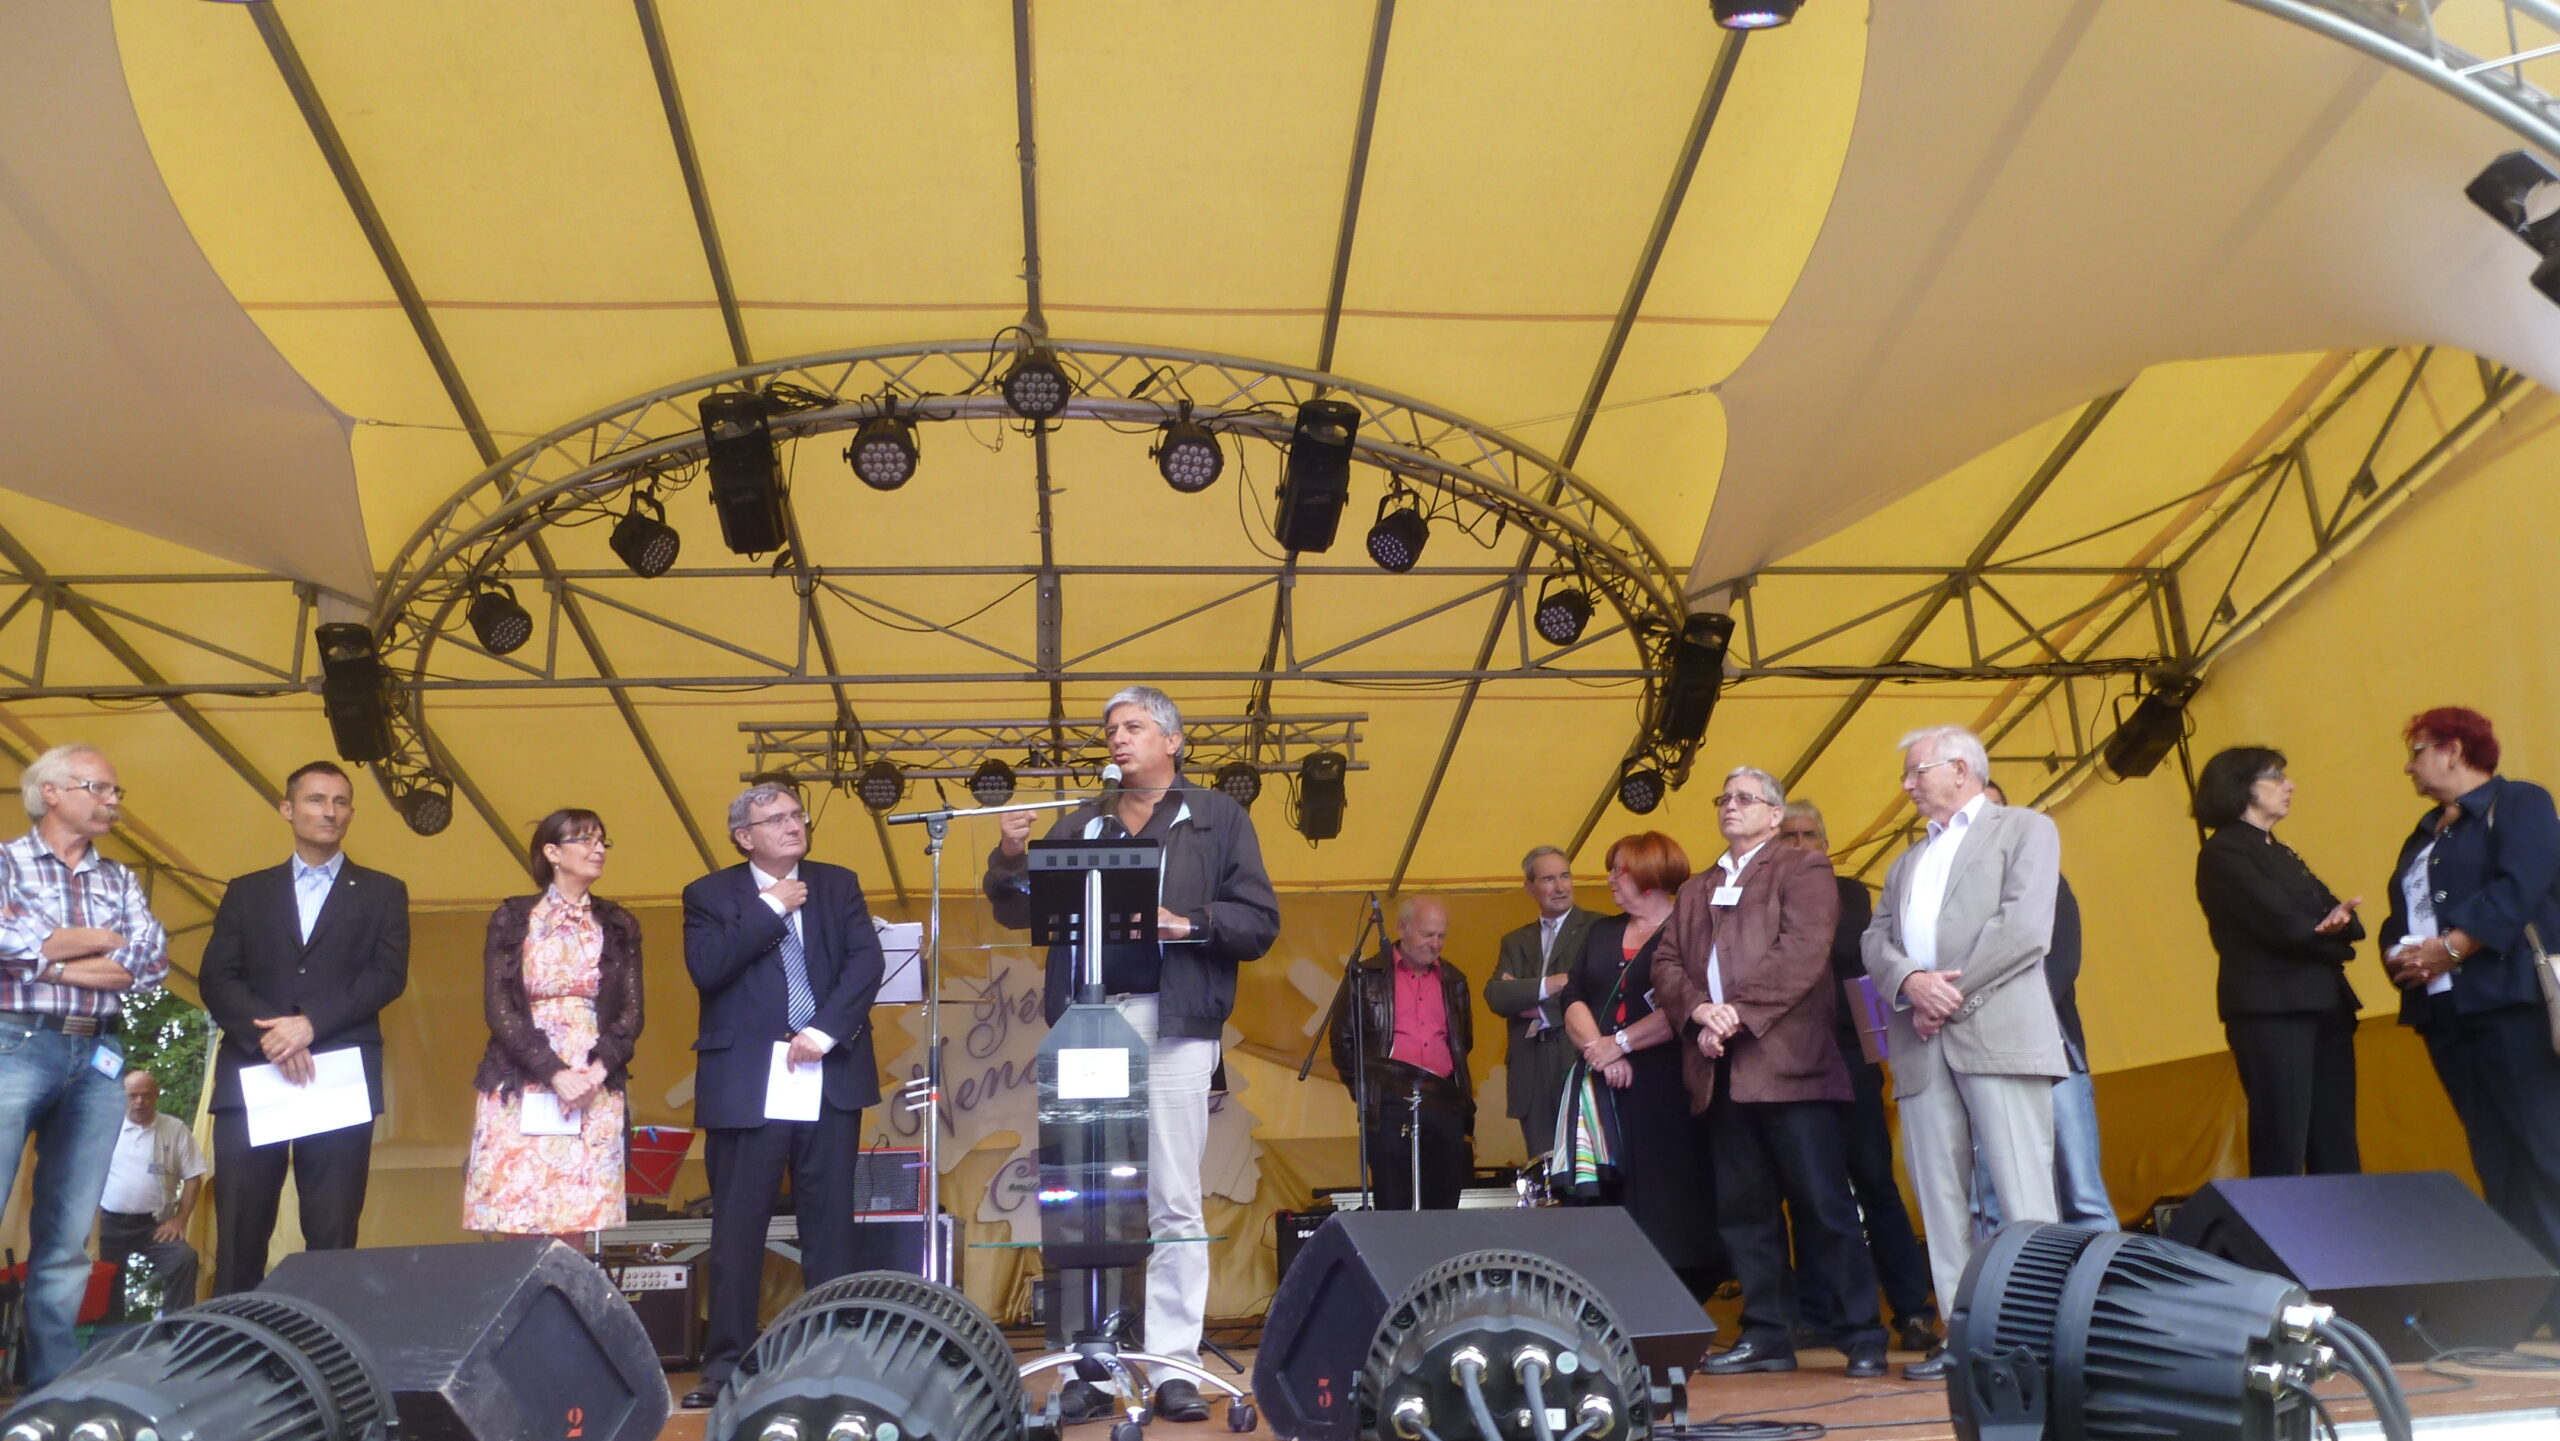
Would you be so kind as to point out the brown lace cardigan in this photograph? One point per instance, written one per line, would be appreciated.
(519, 1055)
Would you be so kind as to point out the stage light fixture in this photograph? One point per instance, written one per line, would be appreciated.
(746, 474)
(875, 1354)
(1036, 388)
(2521, 193)
(1641, 789)
(426, 805)
(1238, 781)
(1755, 14)
(884, 452)
(881, 785)
(355, 691)
(1320, 795)
(250, 1364)
(2069, 1333)
(2145, 738)
(501, 623)
(1316, 480)
(1563, 610)
(1188, 457)
(1697, 676)
(1495, 1337)
(646, 543)
(992, 782)
(1401, 531)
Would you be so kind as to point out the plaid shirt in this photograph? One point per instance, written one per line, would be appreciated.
(40, 895)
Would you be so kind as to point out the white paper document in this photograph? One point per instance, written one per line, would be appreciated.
(901, 978)
(1098, 1074)
(540, 1114)
(791, 1093)
(335, 1099)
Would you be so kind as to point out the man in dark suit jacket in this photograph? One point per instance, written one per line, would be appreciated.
(1531, 969)
(783, 952)
(303, 958)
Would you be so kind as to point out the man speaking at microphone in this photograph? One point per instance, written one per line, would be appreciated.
(1215, 911)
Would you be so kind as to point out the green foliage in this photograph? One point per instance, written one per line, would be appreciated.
(171, 1038)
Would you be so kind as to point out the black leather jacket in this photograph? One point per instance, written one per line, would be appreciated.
(1373, 994)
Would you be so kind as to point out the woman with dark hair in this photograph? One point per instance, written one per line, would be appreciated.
(561, 987)
(1662, 1175)
(2283, 996)
(2471, 900)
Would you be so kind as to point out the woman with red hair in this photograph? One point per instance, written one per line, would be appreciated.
(2472, 899)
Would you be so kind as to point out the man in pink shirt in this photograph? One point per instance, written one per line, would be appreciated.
(1417, 1022)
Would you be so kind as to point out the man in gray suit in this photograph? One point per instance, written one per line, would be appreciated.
(1531, 969)
(1958, 942)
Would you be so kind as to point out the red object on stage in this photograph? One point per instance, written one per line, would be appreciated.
(650, 1162)
(93, 1303)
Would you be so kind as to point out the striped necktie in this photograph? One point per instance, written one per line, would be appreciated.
(801, 1005)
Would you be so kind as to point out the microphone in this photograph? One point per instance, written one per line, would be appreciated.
(1111, 776)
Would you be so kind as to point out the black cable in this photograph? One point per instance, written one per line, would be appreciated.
(1470, 1374)
(2364, 1360)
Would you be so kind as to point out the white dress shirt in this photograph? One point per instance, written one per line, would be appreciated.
(150, 1165)
(2421, 906)
(791, 918)
(1715, 953)
(311, 887)
(1927, 893)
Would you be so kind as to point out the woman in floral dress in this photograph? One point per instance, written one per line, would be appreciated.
(562, 992)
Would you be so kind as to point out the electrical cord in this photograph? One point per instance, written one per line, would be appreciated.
(2363, 1359)
(1471, 1376)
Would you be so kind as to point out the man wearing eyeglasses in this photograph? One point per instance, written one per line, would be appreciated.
(783, 951)
(76, 934)
(302, 959)
(1958, 946)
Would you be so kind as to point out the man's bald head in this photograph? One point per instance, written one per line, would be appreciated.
(1422, 928)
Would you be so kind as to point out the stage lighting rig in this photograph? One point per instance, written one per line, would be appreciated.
(646, 543)
(1641, 789)
(1562, 611)
(1188, 456)
(746, 473)
(1316, 481)
(992, 782)
(1238, 781)
(2145, 738)
(1401, 531)
(247, 1365)
(425, 804)
(2521, 193)
(1492, 1346)
(881, 785)
(354, 690)
(500, 622)
(1755, 14)
(2066, 1333)
(1037, 388)
(872, 1355)
(884, 451)
(1320, 795)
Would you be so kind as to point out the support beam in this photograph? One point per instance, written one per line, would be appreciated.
(653, 34)
(1381, 25)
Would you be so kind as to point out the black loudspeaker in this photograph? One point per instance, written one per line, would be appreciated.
(353, 690)
(2394, 1253)
(493, 1341)
(746, 475)
(1316, 479)
(1697, 675)
(896, 1243)
(1327, 1311)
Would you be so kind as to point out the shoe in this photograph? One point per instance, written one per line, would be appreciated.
(1867, 1364)
(1936, 1366)
(1749, 1354)
(1082, 1401)
(701, 1398)
(1915, 1333)
(1179, 1400)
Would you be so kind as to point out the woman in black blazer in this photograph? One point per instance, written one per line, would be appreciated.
(2283, 995)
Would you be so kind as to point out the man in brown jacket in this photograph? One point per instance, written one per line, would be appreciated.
(1744, 968)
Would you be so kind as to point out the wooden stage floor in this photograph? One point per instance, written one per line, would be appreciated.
(1897, 1410)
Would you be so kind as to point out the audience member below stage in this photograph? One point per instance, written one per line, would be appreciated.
(153, 1184)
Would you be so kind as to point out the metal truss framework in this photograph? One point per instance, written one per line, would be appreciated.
(2223, 560)
(2410, 35)
(952, 750)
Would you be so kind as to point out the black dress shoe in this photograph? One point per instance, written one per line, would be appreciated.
(1916, 1334)
(701, 1398)
(1867, 1364)
(1750, 1354)
(1936, 1366)
(1179, 1400)
(1082, 1401)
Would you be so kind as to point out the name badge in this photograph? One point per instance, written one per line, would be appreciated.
(1726, 896)
(108, 1059)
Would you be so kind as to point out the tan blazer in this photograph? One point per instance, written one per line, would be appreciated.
(1776, 958)
(1992, 935)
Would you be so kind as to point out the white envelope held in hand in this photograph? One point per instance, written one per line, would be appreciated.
(792, 1093)
(541, 1114)
(279, 1110)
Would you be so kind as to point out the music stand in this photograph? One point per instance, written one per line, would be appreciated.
(1088, 894)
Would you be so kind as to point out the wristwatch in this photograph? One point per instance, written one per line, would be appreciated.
(1623, 1048)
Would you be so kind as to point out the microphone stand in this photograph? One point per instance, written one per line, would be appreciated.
(1359, 1081)
(925, 1092)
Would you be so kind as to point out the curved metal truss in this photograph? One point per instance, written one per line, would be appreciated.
(580, 470)
(2411, 35)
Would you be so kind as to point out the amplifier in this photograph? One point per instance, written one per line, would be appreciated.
(1294, 1227)
(889, 1182)
(896, 1243)
(667, 1297)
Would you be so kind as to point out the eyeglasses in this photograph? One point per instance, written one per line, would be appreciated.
(2268, 776)
(787, 818)
(1739, 798)
(599, 842)
(1927, 766)
(2417, 748)
(107, 791)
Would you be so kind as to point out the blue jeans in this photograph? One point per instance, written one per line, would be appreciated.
(50, 1090)
(2079, 1183)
